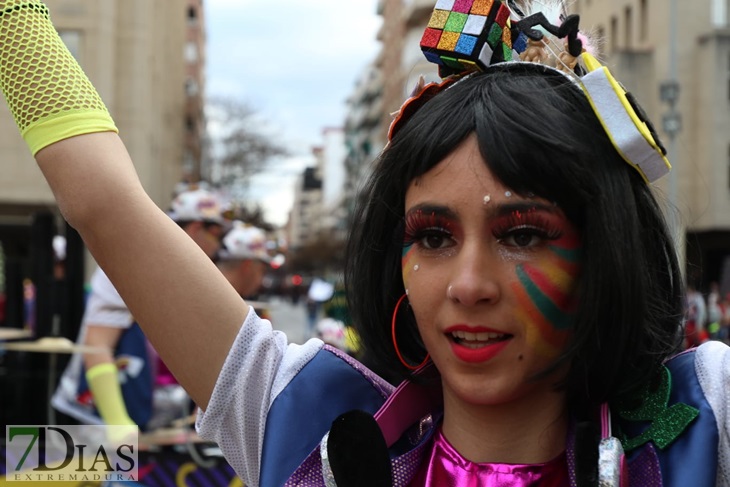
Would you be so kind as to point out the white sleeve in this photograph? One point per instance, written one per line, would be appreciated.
(105, 307)
(712, 365)
(258, 367)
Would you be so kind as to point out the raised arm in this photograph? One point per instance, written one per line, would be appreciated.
(185, 306)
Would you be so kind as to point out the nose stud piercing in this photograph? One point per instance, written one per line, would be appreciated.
(486, 199)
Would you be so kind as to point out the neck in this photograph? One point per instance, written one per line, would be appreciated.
(524, 431)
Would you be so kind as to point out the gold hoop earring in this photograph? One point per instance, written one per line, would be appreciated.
(395, 343)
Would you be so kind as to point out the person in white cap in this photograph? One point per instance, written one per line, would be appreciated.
(116, 387)
(198, 212)
(243, 259)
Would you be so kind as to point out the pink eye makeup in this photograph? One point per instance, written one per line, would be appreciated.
(528, 225)
(429, 227)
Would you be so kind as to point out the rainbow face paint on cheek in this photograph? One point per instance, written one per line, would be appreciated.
(425, 231)
(407, 263)
(545, 293)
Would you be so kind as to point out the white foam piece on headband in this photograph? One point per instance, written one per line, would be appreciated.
(445, 4)
(626, 136)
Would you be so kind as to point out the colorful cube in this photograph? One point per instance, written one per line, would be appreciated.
(470, 34)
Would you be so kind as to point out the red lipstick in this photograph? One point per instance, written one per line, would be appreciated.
(476, 344)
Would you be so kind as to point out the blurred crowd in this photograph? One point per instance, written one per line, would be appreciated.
(707, 316)
(128, 384)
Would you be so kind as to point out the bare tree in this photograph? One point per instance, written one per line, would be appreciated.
(251, 213)
(239, 148)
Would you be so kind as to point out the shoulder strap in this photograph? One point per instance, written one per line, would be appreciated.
(408, 404)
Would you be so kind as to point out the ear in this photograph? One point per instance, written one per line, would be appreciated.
(357, 451)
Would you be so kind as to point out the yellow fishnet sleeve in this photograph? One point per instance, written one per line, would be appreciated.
(49, 95)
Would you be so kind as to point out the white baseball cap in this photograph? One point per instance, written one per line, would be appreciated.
(196, 205)
(244, 242)
(59, 247)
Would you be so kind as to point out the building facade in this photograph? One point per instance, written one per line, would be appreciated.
(133, 52)
(194, 150)
(649, 43)
(384, 85)
(333, 216)
(304, 225)
(400, 60)
(138, 55)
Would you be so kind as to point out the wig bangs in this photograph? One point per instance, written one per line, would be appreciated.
(536, 133)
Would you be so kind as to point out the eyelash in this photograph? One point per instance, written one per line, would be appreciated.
(532, 224)
(420, 226)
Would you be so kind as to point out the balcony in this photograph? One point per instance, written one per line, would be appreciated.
(417, 12)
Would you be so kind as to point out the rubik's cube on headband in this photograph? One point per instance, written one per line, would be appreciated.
(465, 35)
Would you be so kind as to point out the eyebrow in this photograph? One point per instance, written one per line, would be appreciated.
(522, 206)
(493, 210)
(440, 210)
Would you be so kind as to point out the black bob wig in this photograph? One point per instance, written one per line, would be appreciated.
(538, 134)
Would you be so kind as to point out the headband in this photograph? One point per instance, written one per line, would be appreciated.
(465, 36)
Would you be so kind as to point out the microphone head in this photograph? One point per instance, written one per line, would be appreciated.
(357, 451)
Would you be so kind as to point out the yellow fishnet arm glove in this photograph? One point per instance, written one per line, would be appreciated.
(49, 95)
(104, 385)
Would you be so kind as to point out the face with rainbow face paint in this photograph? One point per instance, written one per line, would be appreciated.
(491, 277)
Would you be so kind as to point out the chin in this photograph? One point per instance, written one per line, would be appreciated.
(498, 391)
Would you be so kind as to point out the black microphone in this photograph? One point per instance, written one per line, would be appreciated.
(357, 451)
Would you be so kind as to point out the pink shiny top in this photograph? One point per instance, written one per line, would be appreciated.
(445, 467)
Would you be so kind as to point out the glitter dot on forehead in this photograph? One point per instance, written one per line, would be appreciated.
(508, 194)
(415, 267)
(487, 199)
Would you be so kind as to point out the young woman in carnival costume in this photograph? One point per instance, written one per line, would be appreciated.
(508, 260)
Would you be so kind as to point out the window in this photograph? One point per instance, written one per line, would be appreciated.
(628, 20)
(192, 16)
(643, 20)
(72, 39)
(614, 34)
(191, 87)
(191, 52)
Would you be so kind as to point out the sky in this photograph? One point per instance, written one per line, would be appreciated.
(295, 63)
